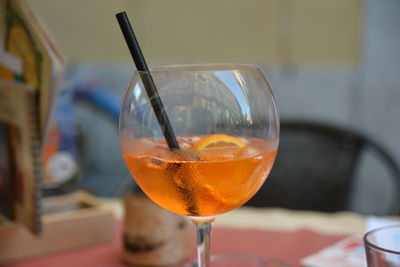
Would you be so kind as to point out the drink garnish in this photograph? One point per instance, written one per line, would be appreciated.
(218, 140)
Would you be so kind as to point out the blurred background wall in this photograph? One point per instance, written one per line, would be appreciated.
(259, 31)
(333, 60)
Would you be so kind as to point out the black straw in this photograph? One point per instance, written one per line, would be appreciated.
(147, 79)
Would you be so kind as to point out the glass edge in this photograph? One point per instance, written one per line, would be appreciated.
(181, 68)
(367, 242)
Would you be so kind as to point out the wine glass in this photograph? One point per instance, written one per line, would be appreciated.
(203, 143)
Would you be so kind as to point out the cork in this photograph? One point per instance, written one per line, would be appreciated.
(154, 236)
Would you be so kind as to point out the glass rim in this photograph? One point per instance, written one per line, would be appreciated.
(201, 67)
(237, 255)
(370, 244)
(223, 256)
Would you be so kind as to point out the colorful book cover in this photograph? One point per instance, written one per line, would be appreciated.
(18, 110)
(23, 37)
(10, 67)
(5, 174)
(42, 63)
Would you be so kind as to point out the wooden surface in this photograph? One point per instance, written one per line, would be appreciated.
(62, 230)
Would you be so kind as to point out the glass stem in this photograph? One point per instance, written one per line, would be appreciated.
(203, 229)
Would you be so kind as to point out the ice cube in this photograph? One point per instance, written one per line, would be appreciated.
(250, 152)
(244, 140)
(194, 139)
(160, 142)
(184, 145)
(155, 161)
(188, 140)
(228, 153)
(165, 153)
(147, 141)
(219, 153)
(137, 146)
(187, 155)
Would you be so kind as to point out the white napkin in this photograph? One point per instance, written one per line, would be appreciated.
(348, 252)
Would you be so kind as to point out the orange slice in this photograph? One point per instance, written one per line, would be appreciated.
(218, 140)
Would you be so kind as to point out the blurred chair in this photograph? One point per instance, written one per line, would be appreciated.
(98, 91)
(316, 168)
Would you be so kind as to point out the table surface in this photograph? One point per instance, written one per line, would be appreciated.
(269, 232)
(342, 223)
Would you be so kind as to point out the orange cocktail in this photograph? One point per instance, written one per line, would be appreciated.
(222, 129)
(206, 177)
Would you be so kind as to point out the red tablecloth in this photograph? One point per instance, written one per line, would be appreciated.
(288, 246)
